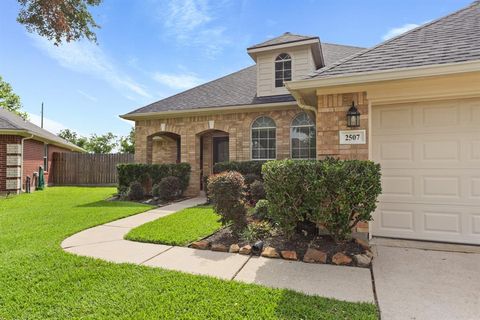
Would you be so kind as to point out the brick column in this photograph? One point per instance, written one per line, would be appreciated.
(10, 164)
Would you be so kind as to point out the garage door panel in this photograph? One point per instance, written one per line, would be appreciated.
(430, 161)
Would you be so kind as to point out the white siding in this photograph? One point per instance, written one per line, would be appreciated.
(302, 65)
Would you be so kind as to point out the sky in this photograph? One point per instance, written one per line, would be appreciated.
(150, 49)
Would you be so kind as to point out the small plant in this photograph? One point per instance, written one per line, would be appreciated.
(169, 188)
(256, 231)
(257, 191)
(227, 192)
(251, 178)
(261, 210)
(135, 191)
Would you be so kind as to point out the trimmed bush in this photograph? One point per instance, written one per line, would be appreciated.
(226, 190)
(257, 191)
(152, 174)
(244, 167)
(169, 188)
(135, 191)
(257, 231)
(332, 193)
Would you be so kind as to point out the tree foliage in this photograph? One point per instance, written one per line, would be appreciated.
(127, 143)
(104, 143)
(9, 100)
(59, 20)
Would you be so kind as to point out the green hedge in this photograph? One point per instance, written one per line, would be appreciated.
(244, 167)
(151, 174)
(332, 193)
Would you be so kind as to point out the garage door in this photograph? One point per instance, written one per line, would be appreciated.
(430, 158)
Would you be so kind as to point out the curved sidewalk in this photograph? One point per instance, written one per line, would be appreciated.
(106, 242)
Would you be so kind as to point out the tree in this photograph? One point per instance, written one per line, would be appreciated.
(9, 100)
(59, 20)
(73, 137)
(104, 143)
(127, 143)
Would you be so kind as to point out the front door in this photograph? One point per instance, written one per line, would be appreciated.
(220, 149)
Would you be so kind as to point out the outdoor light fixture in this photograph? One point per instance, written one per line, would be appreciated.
(353, 116)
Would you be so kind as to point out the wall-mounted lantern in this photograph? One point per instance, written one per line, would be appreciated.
(353, 116)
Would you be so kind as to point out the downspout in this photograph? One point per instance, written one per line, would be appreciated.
(300, 101)
(21, 163)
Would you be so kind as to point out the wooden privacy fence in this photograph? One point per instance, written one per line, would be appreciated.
(83, 169)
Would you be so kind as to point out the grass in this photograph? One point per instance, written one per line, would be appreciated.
(38, 280)
(179, 228)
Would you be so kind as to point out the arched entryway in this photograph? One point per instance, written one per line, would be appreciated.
(214, 147)
(164, 147)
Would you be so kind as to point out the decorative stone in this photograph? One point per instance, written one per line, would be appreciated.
(288, 255)
(234, 248)
(362, 260)
(341, 259)
(202, 245)
(270, 252)
(369, 253)
(247, 249)
(315, 256)
(362, 243)
(219, 247)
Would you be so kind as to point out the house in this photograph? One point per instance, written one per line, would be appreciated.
(411, 103)
(24, 147)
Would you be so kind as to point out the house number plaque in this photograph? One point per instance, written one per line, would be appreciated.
(353, 137)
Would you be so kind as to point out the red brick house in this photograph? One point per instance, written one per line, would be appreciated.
(24, 147)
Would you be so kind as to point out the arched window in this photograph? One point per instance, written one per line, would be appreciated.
(264, 143)
(283, 69)
(303, 137)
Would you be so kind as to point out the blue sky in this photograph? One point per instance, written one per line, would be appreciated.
(151, 49)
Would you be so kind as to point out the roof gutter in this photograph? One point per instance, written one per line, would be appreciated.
(301, 101)
(26, 133)
(385, 75)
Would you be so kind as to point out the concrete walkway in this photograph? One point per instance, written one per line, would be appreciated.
(106, 242)
(427, 283)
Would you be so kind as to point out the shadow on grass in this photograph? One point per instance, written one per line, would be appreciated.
(113, 204)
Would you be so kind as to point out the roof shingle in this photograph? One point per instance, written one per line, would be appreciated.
(287, 37)
(451, 39)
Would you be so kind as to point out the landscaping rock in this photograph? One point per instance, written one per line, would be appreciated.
(270, 252)
(362, 243)
(202, 245)
(315, 256)
(362, 260)
(341, 259)
(369, 253)
(219, 247)
(288, 255)
(245, 249)
(234, 248)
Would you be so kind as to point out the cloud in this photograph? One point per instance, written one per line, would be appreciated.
(88, 58)
(399, 30)
(191, 23)
(177, 81)
(48, 124)
(86, 95)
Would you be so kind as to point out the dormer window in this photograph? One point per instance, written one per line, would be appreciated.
(283, 69)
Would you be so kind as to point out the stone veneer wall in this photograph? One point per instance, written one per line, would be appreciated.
(10, 163)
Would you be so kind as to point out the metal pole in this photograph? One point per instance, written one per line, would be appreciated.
(41, 122)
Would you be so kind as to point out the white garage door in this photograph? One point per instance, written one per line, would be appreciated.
(430, 158)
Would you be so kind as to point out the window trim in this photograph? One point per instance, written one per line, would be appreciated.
(302, 126)
(251, 138)
(45, 157)
(274, 70)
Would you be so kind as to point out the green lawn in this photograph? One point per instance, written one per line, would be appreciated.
(38, 280)
(179, 228)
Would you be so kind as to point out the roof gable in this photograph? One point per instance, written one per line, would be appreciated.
(287, 37)
(451, 39)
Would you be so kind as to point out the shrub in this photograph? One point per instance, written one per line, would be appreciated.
(251, 178)
(169, 188)
(156, 190)
(333, 193)
(226, 190)
(151, 173)
(256, 231)
(135, 191)
(261, 209)
(257, 191)
(244, 167)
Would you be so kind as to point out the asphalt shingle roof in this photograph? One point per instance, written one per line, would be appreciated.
(238, 88)
(451, 39)
(11, 121)
(287, 37)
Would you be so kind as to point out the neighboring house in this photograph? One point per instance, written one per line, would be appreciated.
(24, 147)
(417, 98)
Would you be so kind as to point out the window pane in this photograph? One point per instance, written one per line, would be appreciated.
(287, 65)
(278, 75)
(263, 154)
(278, 83)
(278, 66)
(287, 75)
(254, 154)
(254, 134)
(271, 154)
(263, 134)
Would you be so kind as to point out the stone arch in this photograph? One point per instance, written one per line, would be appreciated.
(164, 147)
